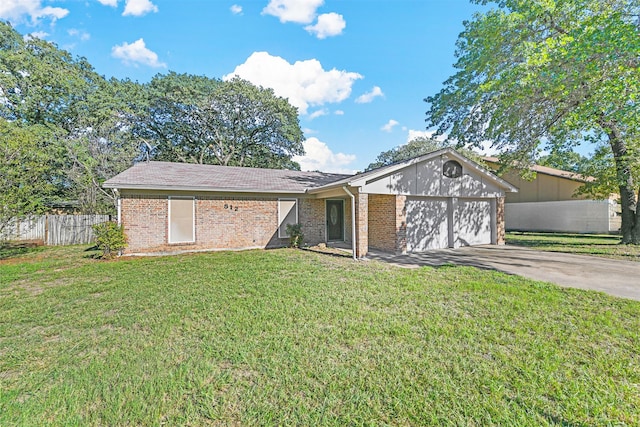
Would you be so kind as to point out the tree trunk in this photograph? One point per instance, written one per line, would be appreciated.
(630, 216)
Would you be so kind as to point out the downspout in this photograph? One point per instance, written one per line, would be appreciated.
(353, 221)
(119, 206)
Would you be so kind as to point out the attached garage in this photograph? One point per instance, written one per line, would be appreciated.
(440, 200)
(436, 223)
(475, 221)
(428, 223)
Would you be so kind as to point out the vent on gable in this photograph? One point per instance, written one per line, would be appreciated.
(452, 169)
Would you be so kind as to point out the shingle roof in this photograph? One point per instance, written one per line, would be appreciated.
(187, 176)
(550, 171)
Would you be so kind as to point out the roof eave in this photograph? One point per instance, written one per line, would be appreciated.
(198, 189)
(365, 178)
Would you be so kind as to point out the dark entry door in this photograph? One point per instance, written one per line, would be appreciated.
(335, 220)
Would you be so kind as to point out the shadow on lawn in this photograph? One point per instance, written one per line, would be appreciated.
(10, 250)
(566, 239)
(553, 419)
(440, 258)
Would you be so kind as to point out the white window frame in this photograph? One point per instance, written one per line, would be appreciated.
(282, 234)
(193, 219)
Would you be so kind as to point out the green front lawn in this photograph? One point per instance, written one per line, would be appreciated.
(604, 245)
(290, 337)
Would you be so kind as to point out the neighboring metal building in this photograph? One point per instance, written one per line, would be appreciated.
(550, 202)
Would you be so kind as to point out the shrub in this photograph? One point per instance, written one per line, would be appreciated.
(110, 238)
(296, 237)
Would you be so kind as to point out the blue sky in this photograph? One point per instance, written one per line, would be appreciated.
(358, 70)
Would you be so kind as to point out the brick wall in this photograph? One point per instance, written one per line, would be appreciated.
(348, 234)
(387, 223)
(223, 222)
(382, 222)
(401, 224)
(312, 217)
(144, 219)
(500, 227)
(362, 224)
(220, 222)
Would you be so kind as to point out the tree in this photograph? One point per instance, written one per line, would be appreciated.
(24, 168)
(213, 122)
(565, 159)
(415, 148)
(89, 139)
(101, 144)
(39, 83)
(555, 72)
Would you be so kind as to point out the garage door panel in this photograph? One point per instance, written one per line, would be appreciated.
(473, 223)
(427, 224)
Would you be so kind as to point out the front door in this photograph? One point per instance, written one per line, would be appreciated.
(335, 220)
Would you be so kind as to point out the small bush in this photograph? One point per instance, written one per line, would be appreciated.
(110, 238)
(296, 237)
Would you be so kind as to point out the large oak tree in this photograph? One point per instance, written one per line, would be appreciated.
(73, 120)
(551, 72)
(200, 120)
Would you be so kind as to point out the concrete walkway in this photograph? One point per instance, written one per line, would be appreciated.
(615, 277)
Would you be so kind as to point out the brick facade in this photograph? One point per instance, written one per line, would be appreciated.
(221, 222)
(362, 224)
(388, 223)
(500, 227)
(312, 217)
(144, 219)
(227, 222)
(382, 222)
(401, 224)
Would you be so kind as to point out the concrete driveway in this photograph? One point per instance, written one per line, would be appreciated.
(615, 277)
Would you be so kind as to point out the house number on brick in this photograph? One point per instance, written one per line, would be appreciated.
(231, 207)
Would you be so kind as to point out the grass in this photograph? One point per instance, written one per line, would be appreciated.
(604, 245)
(290, 337)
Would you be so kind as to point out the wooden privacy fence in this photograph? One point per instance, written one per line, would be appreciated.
(55, 229)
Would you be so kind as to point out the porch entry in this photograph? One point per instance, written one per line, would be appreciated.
(335, 220)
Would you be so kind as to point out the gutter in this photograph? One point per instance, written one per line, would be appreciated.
(353, 221)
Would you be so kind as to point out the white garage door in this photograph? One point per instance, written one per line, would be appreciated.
(473, 222)
(427, 224)
(430, 224)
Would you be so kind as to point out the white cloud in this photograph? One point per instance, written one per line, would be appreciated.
(339, 113)
(139, 7)
(236, 9)
(82, 35)
(39, 35)
(320, 157)
(368, 97)
(304, 83)
(389, 126)
(328, 25)
(136, 53)
(299, 11)
(318, 113)
(112, 3)
(17, 10)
